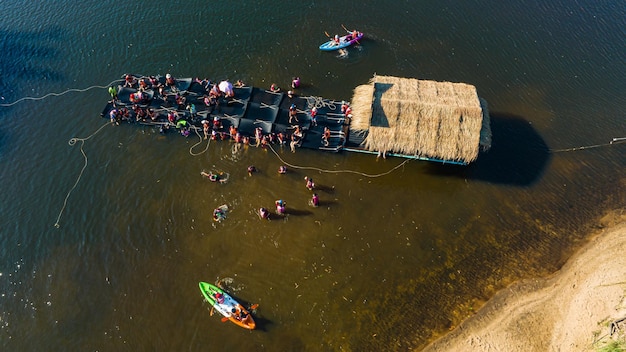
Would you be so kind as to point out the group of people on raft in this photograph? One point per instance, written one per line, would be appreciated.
(184, 114)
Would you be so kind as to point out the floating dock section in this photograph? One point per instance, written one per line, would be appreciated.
(426, 120)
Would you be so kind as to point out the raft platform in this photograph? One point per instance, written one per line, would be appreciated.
(249, 109)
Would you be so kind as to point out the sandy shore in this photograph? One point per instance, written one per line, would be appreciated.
(569, 311)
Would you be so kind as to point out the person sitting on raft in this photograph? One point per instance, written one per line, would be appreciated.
(169, 80)
(264, 213)
(129, 81)
(280, 206)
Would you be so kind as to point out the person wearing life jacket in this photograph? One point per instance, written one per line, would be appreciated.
(336, 39)
(314, 116)
(264, 213)
(129, 81)
(113, 92)
(219, 298)
(344, 107)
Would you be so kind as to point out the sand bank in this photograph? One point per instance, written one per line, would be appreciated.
(569, 311)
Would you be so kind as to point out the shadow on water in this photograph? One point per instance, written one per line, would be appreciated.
(26, 53)
(518, 155)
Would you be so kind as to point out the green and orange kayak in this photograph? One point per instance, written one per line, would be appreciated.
(227, 306)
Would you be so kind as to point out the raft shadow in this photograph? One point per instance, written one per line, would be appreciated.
(518, 155)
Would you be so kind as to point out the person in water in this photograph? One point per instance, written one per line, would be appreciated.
(309, 183)
(219, 214)
(282, 169)
(295, 82)
(251, 169)
(280, 206)
(211, 176)
(315, 200)
(264, 213)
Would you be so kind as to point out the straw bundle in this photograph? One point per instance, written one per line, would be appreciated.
(439, 120)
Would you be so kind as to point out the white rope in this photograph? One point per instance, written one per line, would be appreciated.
(338, 171)
(72, 142)
(58, 94)
(613, 141)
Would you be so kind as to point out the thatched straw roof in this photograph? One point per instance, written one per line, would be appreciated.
(439, 120)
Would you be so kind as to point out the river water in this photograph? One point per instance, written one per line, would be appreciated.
(385, 263)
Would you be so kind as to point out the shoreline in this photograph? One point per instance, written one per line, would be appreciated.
(569, 310)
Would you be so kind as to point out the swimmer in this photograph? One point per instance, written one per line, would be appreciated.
(219, 214)
(215, 177)
(282, 169)
(211, 176)
(251, 169)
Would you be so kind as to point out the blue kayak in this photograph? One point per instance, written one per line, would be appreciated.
(344, 42)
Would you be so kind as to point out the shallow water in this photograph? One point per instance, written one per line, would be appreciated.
(136, 234)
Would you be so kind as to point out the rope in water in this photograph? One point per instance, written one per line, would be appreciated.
(338, 171)
(193, 146)
(72, 142)
(613, 141)
(58, 94)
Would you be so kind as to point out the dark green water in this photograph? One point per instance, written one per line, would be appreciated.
(385, 263)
